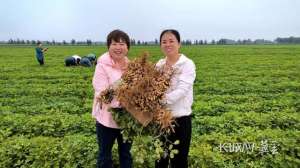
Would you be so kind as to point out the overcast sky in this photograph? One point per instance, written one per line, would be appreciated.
(144, 20)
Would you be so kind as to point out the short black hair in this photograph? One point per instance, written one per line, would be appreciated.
(172, 31)
(118, 35)
(38, 43)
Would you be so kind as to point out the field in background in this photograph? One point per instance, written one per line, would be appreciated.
(245, 112)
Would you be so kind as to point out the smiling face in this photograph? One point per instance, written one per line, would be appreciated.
(169, 44)
(118, 50)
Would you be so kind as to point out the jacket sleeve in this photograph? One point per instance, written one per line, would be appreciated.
(101, 82)
(185, 83)
(100, 79)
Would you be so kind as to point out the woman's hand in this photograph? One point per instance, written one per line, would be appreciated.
(123, 64)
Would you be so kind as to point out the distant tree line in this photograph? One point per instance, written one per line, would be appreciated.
(289, 40)
(53, 42)
(222, 41)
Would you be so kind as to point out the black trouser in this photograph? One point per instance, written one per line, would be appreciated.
(70, 61)
(41, 60)
(106, 137)
(183, 132)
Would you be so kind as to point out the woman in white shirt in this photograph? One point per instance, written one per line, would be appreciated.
(179, 97)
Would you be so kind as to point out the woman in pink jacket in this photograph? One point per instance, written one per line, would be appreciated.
(109, 69)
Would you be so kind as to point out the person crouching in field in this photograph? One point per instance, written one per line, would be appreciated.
(86, 61)
(179, 97)
(72, 60)
(40, 53)
(109, 69)
(92, 57)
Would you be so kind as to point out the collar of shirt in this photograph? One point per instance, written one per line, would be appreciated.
(182, 59)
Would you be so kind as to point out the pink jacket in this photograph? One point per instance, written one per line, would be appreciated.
(106, 73)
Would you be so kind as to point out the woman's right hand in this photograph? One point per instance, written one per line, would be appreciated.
(123, 64)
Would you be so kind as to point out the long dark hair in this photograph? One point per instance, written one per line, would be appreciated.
(172, 31)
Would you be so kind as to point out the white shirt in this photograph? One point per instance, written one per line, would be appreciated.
(77, 57)
(179, 97)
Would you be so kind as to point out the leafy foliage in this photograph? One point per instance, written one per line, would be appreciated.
(141, 91)
(243, 93)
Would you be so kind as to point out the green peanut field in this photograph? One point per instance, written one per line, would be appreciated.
(246, 110)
